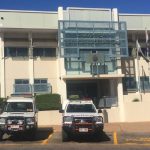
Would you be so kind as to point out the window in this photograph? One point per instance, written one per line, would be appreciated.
(144, 83)
(86, 108)
(44, 52)
(40, 81)
(22, 86)
(19, 107)
(41, 86)
(21, 81)
(15, 52)
(129, 83)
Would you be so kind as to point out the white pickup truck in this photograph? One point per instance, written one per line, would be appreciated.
(81, 117)
(18, 114)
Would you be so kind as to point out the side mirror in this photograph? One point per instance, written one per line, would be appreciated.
(61, 111)
(99, 111)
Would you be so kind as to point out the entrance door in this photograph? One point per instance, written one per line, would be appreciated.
(82, 88)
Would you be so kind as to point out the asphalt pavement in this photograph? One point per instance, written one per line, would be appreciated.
(126, 135)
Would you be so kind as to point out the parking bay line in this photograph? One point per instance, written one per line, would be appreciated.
(46, 140)
(115, 138)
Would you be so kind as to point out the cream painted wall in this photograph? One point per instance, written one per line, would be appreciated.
(137, 111)
(143, 66)
(111, 115)
(15, 69)
(141, 96)
(47, 68)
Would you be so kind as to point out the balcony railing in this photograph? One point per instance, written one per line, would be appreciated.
(42, 88)
(29, 88)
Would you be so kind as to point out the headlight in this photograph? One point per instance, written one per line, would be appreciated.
(98, 119)
(67, 119)
(2, 120)
(9, 121)
(30, 120)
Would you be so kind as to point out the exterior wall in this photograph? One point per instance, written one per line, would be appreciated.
(61, 63)
(2, 67)
(143, 66)
(47, 118)
(25, 19)
(47, 68)
(142, 21)
(15, 69)
(87, 14)
(137, 111)
(18, 68)
(111, 115)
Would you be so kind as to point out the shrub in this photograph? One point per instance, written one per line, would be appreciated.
(1, 102)
(48, 102)
(74, 97)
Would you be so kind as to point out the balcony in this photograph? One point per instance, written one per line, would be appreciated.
(32, 88)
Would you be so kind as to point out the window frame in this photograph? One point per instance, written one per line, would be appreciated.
(22, 81)
(129, 84)
(16, 52)
(44, 52)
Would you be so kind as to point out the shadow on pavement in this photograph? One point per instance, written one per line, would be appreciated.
(102, 137)
(42, 134)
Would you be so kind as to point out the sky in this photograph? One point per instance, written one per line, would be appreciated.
(124, 6)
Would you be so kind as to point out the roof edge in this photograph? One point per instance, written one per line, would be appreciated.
(126, 14)
(29, 11)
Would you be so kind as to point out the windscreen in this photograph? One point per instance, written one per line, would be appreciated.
(19, 107)
(86, 108)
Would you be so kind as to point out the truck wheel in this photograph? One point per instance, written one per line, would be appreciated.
(31, 135)
(1, 135)
(65, 136)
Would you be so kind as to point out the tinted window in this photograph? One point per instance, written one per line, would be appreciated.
(44, 52)
(75, 108)
(16, 52)
(19, 107)
(21, 81)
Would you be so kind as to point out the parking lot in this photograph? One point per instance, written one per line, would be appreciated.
(46, 136)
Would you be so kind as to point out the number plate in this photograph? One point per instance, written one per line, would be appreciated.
(14, 126)
(83, 129)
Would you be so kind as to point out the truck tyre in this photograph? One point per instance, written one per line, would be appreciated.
(65, 136)
(31, 134)
(1, 135)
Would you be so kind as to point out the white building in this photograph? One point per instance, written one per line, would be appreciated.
(78, 51)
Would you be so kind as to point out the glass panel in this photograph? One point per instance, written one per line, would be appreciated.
(144, 82)
(129, 83)
(43, 80)
(21, 81)
(90, 34)
(16, 52)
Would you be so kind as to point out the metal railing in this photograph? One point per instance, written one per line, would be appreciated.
(29, 88)
(41, 88)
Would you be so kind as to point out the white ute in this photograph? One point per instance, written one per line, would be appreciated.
(18, 114)
(81, 117)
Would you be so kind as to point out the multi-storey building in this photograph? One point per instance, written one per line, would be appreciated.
(78, 51)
